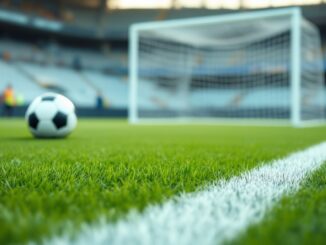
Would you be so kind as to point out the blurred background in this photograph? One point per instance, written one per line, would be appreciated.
(79, 48)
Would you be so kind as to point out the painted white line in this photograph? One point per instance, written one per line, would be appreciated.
(209, 216)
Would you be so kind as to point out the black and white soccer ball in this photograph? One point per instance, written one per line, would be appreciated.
(51, 115)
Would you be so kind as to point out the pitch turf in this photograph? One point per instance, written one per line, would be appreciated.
(107, 168)
(297, 219)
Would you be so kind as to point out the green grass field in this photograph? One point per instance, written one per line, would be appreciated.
(107, 167)
(297, 219)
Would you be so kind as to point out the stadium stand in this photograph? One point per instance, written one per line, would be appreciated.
(113, 88)
(23, 85)
(67, 80)
(52, 69)
(34, 67)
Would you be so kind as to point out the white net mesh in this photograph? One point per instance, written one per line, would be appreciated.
(230, 70)
(312, 77)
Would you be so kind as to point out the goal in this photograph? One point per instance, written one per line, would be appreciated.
(253, 67)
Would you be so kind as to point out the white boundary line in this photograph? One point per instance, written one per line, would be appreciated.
(211, 215)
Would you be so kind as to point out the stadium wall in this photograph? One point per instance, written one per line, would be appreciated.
(83, 112)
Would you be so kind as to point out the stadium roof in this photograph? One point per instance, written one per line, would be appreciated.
(211, 4)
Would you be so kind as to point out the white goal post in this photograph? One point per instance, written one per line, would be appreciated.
(253, 67)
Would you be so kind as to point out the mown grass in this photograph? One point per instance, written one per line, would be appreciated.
(297, 219)
(108, 167)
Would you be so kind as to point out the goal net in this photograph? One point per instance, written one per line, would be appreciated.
(260, 67)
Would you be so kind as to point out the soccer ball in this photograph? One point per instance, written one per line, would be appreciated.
(51, 115)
